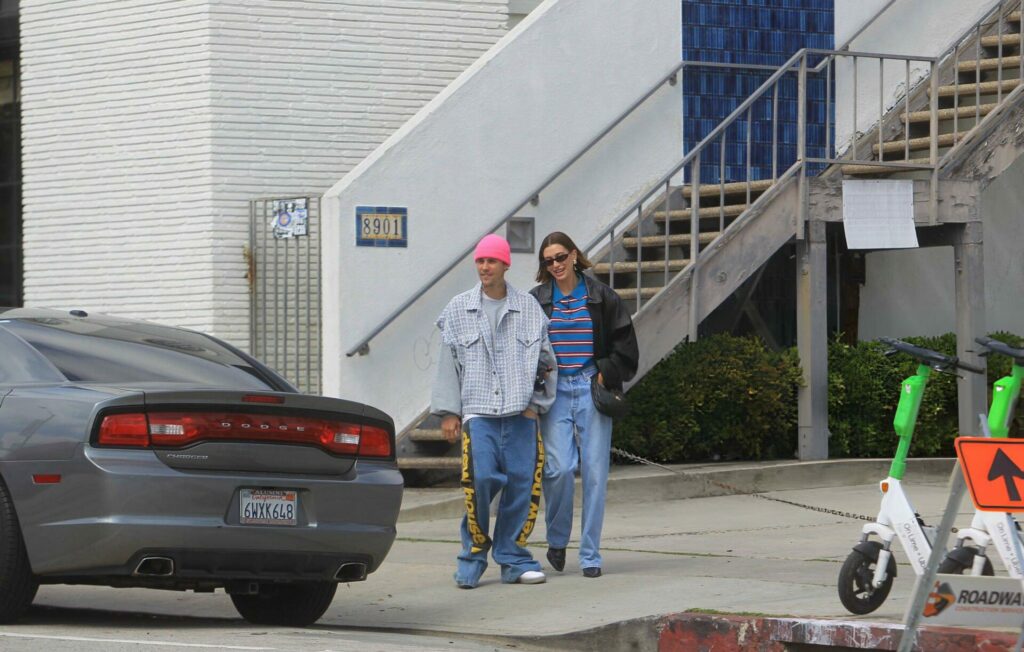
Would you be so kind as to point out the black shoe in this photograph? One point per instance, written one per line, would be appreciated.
(593, 571)
(556, 557)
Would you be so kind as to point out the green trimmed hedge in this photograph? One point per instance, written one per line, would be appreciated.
(725, 398)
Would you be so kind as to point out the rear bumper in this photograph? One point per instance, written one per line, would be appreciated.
(113, 506)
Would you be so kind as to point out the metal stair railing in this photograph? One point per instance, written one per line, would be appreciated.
(362, 346)
(741, 121)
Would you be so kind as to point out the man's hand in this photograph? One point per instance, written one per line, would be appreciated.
(529, 414)
(600, 379)
(450, 426)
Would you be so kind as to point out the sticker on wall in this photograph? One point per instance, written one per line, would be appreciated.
(289, 218)
(382, 226)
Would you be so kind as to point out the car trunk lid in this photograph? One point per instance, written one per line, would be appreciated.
(264, 432)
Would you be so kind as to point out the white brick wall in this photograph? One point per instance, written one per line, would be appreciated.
(116, 156)
(148, 125)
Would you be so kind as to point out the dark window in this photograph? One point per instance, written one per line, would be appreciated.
(123, 352)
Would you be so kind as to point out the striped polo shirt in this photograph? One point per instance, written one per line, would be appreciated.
(571, 330)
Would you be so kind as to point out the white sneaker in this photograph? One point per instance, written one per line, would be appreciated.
(532, 577)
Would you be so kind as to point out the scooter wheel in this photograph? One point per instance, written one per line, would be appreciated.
(963, 562)
(855, 589)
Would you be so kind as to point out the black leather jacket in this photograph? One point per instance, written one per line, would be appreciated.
(616, 353)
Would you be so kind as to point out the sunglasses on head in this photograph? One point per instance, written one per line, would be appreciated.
(560, 258)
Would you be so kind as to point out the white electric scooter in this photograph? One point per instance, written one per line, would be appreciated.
(992, 528)
(867, 574)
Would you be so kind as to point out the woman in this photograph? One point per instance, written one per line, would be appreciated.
(592, 335)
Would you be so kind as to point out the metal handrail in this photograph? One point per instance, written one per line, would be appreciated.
(743, 111)
(363, 346)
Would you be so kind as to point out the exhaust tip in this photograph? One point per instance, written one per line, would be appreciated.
(351, 572)
(155, 567)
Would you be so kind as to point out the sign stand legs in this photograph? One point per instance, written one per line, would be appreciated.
(912, 618)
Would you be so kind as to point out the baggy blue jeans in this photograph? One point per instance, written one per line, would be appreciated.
(573, 416)
(499, 454)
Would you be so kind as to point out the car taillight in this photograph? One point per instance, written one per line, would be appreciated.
(177, 429)
(124, 430)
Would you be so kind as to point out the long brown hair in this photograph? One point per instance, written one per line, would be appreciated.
(559, 238)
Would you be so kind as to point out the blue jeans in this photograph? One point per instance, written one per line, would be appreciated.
(573, 414)
(499, 454)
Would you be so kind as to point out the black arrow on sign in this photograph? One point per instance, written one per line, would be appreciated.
(1003, 467)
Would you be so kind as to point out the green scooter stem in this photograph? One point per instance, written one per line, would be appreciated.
(911, 393)
(1005, 392)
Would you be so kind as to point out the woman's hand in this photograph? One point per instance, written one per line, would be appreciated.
(529, 414)
(600, 379)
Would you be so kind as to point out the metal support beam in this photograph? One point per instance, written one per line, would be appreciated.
(970, 323)
(812, 341)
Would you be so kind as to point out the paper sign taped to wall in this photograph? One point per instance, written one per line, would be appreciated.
(879, 214)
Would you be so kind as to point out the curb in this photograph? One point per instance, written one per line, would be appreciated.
(631, 483)
(694, 631)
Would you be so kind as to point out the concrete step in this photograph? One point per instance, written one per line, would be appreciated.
(867, 168)
(1011, 40)
(984, 88)
(948, 114)
(731, 210)
(731, 188)
(425, 463)
(630, 293)
(944, 140)
(625, 267)
(1011, 63)
(426, 434)
(675, 240)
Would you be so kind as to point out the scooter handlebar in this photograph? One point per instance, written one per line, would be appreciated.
(995, 346)
(927, 356)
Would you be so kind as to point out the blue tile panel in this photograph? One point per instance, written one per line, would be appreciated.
(764, 32)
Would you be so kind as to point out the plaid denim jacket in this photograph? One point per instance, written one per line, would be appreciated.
(493, 376)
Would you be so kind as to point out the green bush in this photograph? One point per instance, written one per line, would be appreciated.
(722, 397)
(726, 397)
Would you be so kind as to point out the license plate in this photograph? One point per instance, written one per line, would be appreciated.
(269, 507)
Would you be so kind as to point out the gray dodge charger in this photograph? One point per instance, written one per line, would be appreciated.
(133, 454)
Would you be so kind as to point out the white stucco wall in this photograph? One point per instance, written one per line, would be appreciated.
(148, 126)
(911, 292)
(910, 27)
(477, 151)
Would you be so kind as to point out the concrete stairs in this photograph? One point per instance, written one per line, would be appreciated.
(972, 84)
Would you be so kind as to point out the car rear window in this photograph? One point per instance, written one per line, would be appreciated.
(96, 351)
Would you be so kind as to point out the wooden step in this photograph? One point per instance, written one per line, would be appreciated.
(630, 293)
(1011, 63)
(731, 188)
(645, 266)
(984, 88)
(427, 463)
(676, 240)
(993, 41)
(944, 140)
(948, 114)
(731, 210)
(867, 168)
(426, 434)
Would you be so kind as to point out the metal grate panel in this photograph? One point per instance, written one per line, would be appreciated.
(284, 287)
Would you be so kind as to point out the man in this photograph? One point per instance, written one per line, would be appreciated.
(496, 373)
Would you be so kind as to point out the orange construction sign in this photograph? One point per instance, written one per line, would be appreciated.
(994, 470)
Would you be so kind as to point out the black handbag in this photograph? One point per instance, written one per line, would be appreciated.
(611, 402)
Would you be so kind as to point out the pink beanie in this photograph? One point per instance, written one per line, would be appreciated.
(494, 246)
